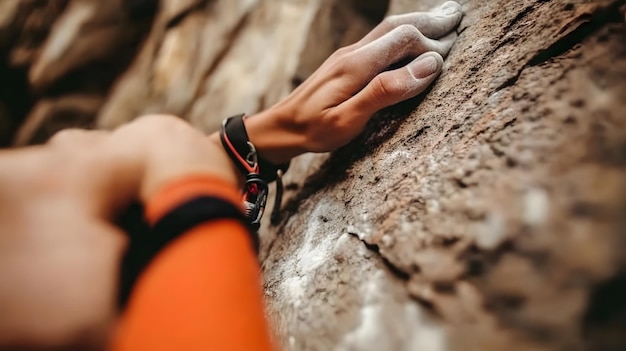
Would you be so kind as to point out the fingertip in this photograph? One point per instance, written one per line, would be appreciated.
(452, 12)
(444, 19)
(437, 56)
(426, 65)
(450, 8)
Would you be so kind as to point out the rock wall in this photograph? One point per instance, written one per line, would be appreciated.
(487, 214)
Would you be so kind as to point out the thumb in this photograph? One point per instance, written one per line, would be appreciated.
(391, 87)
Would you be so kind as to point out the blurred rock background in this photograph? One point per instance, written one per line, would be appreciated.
(99, 63)
(488, 214)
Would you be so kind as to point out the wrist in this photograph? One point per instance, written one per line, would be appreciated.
(272, 137)
(211, 161)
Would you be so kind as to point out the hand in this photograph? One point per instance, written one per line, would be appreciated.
(59, 251)
(396, 61)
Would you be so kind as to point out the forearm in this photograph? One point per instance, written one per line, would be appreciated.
(202, 290)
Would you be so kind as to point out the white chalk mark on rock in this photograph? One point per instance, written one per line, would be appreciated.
(397, 155)
(492, 233)
(536, 207)
(301, 267)
(387, 325)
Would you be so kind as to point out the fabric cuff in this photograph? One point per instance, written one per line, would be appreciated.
(181, 190)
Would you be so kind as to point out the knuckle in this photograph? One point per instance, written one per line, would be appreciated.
(159, 124)
(148, 132)
(410, 39)
(159, 120)
(408, 32)
(381, 88)
(343, 64)
(342, 51)
(66, 136)
(334, 121)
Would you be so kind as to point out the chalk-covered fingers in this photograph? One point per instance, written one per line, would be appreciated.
(434, 24)
(337, 125)
(401, 44)
(391, 87)
(398, 60)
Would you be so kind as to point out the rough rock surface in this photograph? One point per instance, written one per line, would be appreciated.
(487, 214)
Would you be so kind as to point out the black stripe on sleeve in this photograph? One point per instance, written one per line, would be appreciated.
(146, 242)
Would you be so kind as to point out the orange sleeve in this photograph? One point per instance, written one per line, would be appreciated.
(202, 291)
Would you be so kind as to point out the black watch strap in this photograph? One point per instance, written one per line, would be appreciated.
(235, 140)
